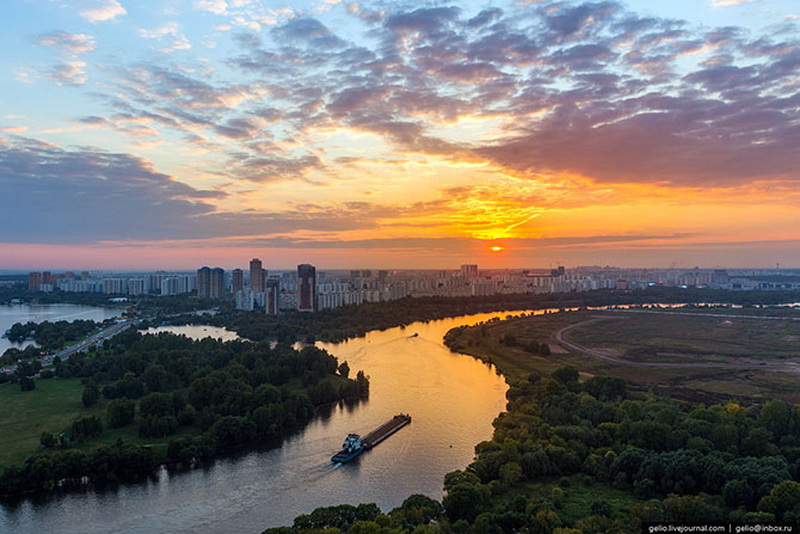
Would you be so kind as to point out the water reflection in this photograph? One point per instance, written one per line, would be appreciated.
(196, 332)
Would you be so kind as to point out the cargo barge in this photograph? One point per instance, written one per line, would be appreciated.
(355, 444)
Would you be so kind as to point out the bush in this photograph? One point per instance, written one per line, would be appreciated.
(26, 384)
(120, 412)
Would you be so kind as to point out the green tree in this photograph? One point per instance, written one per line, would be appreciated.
(344, 370)
(90, 395)
(26, 384)
(466, 497)
(48, 440)
(567, 374)
(120, 412)
(85, 427)
(783, 501)
(776, 417)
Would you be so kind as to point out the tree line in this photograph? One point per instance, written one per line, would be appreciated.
(338, 324)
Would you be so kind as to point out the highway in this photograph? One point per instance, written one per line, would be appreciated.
(96, 338)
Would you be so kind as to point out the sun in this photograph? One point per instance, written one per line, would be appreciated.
(496, 248)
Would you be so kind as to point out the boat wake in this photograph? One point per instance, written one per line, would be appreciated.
(327, 467)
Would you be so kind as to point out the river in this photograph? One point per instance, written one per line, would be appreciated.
(452, 399)
(38, 313)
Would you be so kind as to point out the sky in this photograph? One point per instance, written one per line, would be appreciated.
(179, 133)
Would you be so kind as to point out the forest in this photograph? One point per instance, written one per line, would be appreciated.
(199, 398)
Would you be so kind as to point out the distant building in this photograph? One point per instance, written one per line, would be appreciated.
(34, 281)
(244, 299)
(115, 286)
(307, 282)
(176, 285)
(137, 286)
(256, 276)
(237, 280)
(469, 271)
(204, 282)
(272, 295)
(210, 283)
(217, 283)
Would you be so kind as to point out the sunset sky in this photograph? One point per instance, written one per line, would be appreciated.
(179, 133)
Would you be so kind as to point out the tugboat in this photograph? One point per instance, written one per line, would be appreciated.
(352, 447)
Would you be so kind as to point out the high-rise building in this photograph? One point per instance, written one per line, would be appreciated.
(237, 280)
(34, 281)
(217, 283)
(307, 282)
(256, 276)
(272, 296)
(204, 282)
(210, 283)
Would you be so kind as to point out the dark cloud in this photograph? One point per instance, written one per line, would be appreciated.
(307, 31)
(427, 21)
(86, 195)
(485, 17)
(566, 20)
(263, 169)
(93, 120)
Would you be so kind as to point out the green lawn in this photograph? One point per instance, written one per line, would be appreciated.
(24, 415)
(52, 407)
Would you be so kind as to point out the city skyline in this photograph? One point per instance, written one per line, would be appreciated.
(145, 135)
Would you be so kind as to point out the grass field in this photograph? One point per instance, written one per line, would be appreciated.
(52, 407)
(769, 350)
(24, 415)
(664, 336)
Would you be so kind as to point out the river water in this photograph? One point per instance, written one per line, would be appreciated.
(451, 398)
(38, 313)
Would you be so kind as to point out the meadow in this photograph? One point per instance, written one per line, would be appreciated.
(707, 357)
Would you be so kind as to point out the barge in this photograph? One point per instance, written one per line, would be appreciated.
(355, 444)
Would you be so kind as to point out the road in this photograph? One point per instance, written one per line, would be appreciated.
(94, 339)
